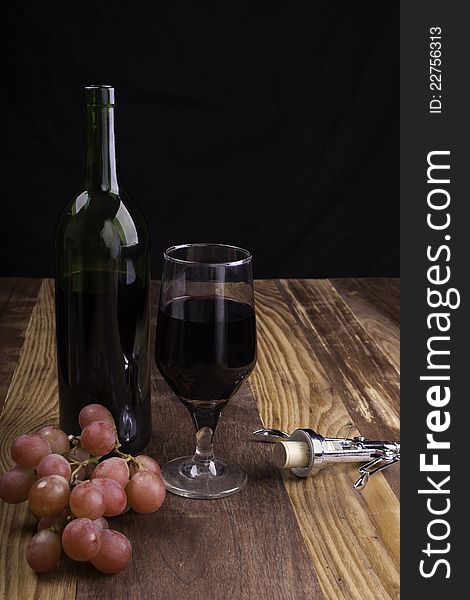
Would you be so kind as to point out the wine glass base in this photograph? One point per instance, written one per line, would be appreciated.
(189, 478)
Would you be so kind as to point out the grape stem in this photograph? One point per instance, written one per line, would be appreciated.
(93, 460)
(126, 457)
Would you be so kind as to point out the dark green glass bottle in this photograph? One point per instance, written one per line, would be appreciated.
(103, 291)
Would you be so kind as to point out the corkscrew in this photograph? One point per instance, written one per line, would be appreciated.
(305, 452)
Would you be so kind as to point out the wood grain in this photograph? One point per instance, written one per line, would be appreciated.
(366, 379)
(364, 375)
(312, 366)
(376, 305)
(381, 292)
(31, 403)
(17, 299)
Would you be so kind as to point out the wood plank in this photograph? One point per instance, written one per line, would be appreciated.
(18, 296)
(31, 402)
(365, 377)
(367, 380)
(382, 292)
(353, 538)
(371, 304)
(246, 546)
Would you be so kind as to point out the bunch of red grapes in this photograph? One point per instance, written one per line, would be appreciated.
(71, 489)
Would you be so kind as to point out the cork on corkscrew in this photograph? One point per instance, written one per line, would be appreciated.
(291, 455)
(306, 451)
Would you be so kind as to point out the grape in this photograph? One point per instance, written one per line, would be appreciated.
(98, 438)
(58, 522)
(101, 524)
(115, 552)
(79, 454)
(113, 468)
(115, 496)
(15, 484)
(81, 539)
(28, 449)
(86, 500)
(145, 492)
(146, 464)
(54, 464)
(95, 412)
(86, 472)
(49, 496)
(56, 438)
(43, 551)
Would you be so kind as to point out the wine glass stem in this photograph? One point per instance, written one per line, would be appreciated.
(204, 447)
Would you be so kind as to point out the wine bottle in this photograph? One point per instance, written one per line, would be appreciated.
(103, 291)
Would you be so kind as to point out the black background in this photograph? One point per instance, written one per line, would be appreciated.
(271, 125)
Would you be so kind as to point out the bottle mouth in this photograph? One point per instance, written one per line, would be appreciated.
(99, 95)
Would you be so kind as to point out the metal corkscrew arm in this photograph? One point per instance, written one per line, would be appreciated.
(305, 452)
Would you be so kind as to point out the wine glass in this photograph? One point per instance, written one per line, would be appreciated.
(205, 348)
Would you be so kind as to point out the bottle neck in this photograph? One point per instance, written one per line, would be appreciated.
(100, 150)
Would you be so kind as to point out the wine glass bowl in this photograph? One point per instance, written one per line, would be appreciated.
(205, 348)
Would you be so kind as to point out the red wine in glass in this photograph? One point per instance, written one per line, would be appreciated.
(206, 347)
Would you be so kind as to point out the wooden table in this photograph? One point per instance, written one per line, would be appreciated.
(328, 359)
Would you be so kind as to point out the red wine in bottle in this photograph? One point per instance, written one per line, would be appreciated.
(103, 291)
